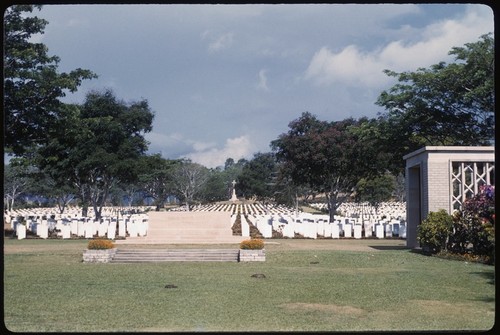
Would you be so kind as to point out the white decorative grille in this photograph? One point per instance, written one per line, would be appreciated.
(467, 177)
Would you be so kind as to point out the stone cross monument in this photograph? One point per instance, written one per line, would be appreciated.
(233, 196)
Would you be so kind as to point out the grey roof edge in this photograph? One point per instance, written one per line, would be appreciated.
(449, 148)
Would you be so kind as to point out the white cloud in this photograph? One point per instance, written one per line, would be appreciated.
(211, 157)
(354, 67)
(262, 85)
(350, 66)
(202, 146)
(218, 43)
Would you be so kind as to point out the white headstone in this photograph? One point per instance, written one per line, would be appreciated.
(328, 229)
(89, 229)
(357, 231)
(402, 230)
(21, 231)
(81, 228)
(348, 230)
(132, 228)
(265, 226)
(368, 229)
(320, 227)
(43, 230)
(74, 227)
(111, 233)
(388, 230)
(66, 231)
(121, 228)
(245, 228)
(335, 229)
(379, 230)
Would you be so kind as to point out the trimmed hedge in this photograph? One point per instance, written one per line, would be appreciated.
(253, 244)
(100, 244)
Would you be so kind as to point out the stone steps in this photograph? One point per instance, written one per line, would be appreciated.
(187, 233)
(180, 240)
(187, 228)
(175, 255)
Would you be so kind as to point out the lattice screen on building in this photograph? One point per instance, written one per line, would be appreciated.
(467, 177)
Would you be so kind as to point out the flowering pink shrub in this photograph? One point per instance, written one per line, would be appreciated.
(474, 225)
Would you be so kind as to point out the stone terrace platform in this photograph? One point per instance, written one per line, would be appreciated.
(187, 228)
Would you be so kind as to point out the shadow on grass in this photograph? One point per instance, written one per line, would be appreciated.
(389, 247)
(490, 276)
(486, 299)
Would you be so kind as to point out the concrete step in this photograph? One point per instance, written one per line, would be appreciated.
(187, 228)
(172, 239)
(166, 233)
(175, 255)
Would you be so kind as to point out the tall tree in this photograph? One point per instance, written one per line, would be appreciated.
(258, 176)
(375, 190)
(445, 104)
(328, 157)
(156, 178)
(45, 187)
(16, 181)
(32, 85)
(189, 179)
(97, 145)
(217, 186)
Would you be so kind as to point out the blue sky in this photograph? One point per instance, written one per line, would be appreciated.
(225, 80)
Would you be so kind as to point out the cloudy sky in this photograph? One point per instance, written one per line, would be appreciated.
(225, 80)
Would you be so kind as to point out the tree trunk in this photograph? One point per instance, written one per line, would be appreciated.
(85, 209)
(332, 204)
(97, 211)
(61, 207)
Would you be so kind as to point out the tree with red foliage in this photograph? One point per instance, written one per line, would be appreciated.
(328, 157)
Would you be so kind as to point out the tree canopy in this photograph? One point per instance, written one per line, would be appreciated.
(32, 84)
(156, 178)
(445, 104)
(257, 177)
(329, 157)
(189, 179)
(97, 145)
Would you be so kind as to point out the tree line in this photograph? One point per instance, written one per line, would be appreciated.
(96, 153)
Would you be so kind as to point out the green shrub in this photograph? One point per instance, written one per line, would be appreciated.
(433, 232)
(100, 244)
(253, 244)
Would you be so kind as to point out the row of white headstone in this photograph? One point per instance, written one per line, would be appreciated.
(314, 226)
(69, 213)
(265, 217)
(365, 211)
(132, 224)
(244, 208)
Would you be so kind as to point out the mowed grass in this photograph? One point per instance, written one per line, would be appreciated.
(308, 286)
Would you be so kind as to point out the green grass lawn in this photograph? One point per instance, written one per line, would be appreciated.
(47, 288)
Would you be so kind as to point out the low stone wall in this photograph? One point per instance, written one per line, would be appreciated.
(98, 256)
(252, 255)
